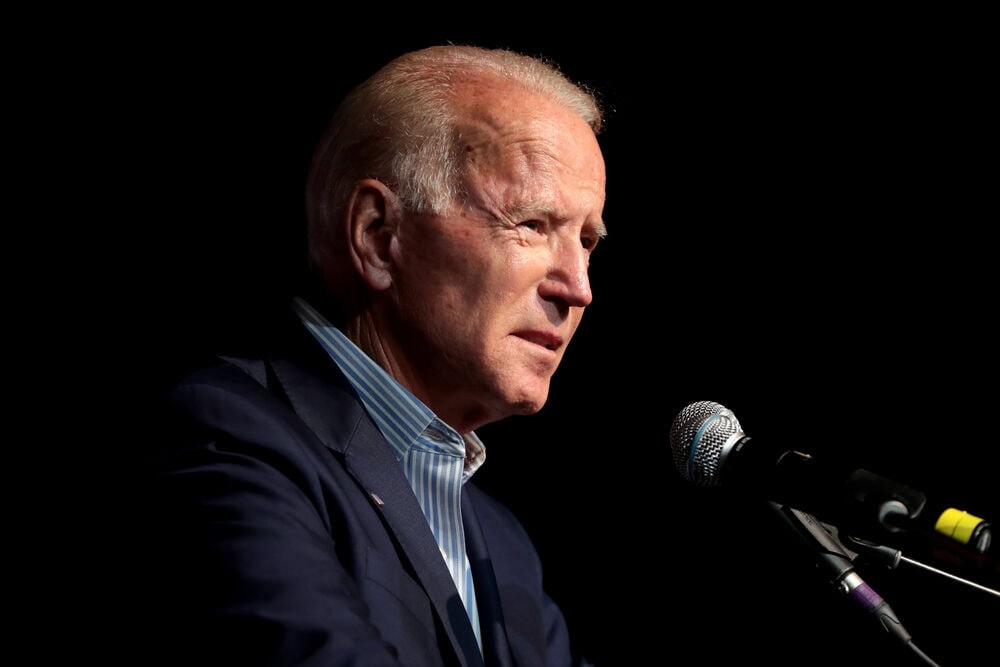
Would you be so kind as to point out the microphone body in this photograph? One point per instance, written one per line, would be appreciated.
(710, 449)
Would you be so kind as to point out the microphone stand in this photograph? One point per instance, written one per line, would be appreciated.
(891, 558)
(839, 561)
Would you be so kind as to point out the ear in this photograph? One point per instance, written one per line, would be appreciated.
(373, 212)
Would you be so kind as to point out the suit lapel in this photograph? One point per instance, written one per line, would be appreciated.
(496, 648)
(336, 416)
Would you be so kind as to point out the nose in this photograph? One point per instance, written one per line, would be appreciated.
(568, 279)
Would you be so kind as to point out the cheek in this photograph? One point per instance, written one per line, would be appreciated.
(444, 255)
(463, 273)
(519, 268)
(480, 275)
(438, 290)
(425, 266)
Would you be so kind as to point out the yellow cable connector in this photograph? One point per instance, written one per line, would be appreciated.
(958, 525)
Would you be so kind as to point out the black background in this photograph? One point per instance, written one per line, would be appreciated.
(799, 212)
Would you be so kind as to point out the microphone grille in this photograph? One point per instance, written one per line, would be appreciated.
(698, 435)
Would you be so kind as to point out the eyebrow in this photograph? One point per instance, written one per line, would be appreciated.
(518, 211)
(601, 228)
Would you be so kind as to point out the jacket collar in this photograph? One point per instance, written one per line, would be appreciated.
(321, 396)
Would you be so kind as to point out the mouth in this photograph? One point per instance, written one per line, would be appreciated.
(547, 340)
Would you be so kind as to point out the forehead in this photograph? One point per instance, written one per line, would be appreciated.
(518, 140)
(490, 107)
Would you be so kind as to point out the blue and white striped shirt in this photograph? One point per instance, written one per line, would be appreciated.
(436, 459)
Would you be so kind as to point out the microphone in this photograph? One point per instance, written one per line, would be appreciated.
(710, 449)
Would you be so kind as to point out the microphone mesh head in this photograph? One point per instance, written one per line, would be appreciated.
(698, 437)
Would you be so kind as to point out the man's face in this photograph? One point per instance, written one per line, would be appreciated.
(487, 296)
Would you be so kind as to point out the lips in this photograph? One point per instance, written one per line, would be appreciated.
(547, 340)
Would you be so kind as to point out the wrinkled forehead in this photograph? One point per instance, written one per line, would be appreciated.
(504, 108)
(509, 127)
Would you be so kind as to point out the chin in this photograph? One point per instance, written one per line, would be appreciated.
(523, 393)
(530, 404)
(528, 407)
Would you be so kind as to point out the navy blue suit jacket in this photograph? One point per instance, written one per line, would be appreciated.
(286, 533)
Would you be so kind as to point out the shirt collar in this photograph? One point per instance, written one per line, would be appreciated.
(399, 415)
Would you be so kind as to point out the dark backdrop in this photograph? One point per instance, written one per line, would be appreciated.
(799, 213)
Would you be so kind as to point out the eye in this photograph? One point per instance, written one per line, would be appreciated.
(533, 225)
(590, 235)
